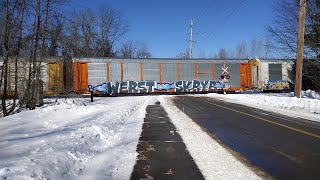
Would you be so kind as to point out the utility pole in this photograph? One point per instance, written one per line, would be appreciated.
(191, 40)
(299, 63)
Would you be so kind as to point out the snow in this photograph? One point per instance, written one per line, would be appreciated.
(213, 160)
(307, 107)
(76, 139)
(73, 137)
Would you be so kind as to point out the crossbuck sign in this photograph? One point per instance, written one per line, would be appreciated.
(224, 69)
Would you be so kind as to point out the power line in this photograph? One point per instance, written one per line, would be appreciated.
(205, 11)
(229, 14)
(206, 8)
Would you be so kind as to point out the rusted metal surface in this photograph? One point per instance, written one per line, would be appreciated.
(121, 70)
(108, 71)
(55, 78)
(179, 71)
(141, 71)
(160, 67)
(245, 75)
(80, 77)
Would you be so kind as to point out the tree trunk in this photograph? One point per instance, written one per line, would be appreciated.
(31, 101)
(17, 52)
(6, 60)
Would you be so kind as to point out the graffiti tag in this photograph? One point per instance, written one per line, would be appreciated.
(152, 86)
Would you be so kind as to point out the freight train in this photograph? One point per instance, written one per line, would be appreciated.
(151, 75)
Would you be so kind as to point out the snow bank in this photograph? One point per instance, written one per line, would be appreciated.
(309, 94)
(306, 107)
(213, 160)
(72, 137)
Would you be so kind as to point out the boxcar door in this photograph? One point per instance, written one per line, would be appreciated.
(245, 76)
(80, 77)
(84, 77)
(55, 81)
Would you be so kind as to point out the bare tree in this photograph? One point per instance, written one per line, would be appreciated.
(127, 50)
(241, 51)
(95, 33)
(30, 96)
(87, 25)
(136, 49)
(37, 29)
(6, 42)
(202, 54)
(267, 48)
(21, 16)
(12, 42)
(112, 28)
(183, 55)
(81, 34)
(142, 50)
(312, 35)
(284, 28)
(223, 54)
(256, 48)
(73, 36)
(55, 35)
(284, 31)
(38, 48)
(2, 18)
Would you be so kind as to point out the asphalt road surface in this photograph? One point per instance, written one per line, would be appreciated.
(283, 146)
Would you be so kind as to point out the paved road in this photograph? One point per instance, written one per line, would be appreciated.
(283, 146)
(161, 151)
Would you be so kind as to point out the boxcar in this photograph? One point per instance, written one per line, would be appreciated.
(52, 75)
(95, 71)
(61, 75)
(266, 70)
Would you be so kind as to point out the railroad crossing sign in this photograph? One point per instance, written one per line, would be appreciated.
(224, 69)
(225, 74)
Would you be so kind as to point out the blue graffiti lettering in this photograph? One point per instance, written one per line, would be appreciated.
(151, 86)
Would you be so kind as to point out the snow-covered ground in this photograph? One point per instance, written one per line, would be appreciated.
(73, 137)
(77, 139)
(307, 107)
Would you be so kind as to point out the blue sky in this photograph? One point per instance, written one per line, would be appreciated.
(164, 24)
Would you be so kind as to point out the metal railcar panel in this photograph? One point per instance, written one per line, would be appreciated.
(23, 73)
(234, 72)
(151, 72)
(11, 76)
(275, 72)
(204, 71)
(115, 72)
(131, 71)
(97, 73)
(187, 71)
(169, 72)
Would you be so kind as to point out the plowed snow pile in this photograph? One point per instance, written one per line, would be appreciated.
(71, 137)
(308, 106)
